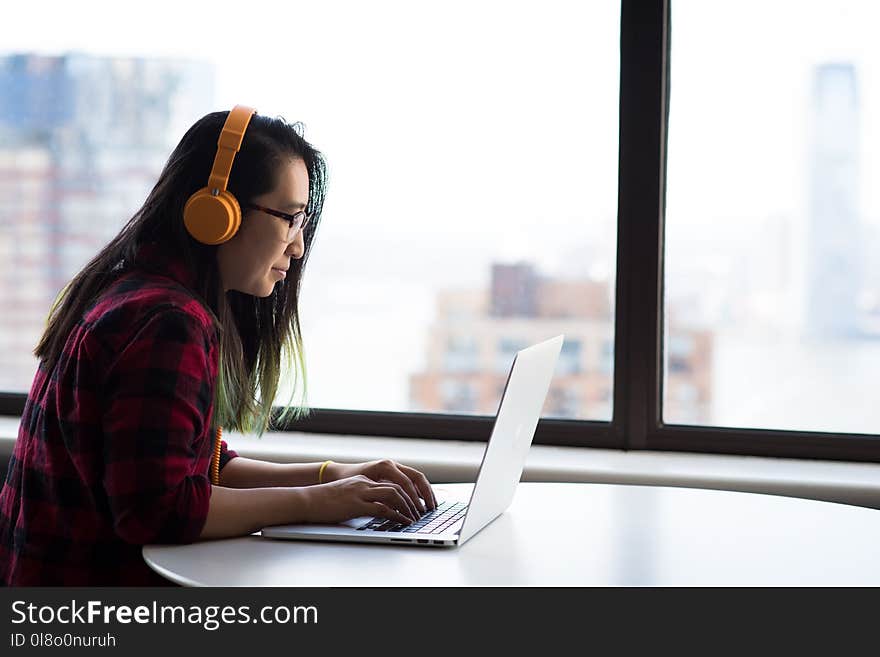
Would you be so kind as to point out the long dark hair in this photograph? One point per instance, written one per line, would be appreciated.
(257, 335)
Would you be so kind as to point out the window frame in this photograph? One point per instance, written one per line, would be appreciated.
(636, 422)
(639, 357)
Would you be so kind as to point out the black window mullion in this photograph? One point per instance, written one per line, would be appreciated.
(643, 74)
(445, 426)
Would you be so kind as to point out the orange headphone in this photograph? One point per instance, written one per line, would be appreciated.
(212, 215)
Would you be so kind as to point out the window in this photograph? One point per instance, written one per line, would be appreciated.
(505, 353)
(561, 400)
(569, 358)
(462, 354)
(712, 270)
(472, 185)
(84, 137)
(458, 396)
(773, 225)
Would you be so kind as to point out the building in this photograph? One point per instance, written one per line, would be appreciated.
(834, 235)
(82, 141)
(477, 333)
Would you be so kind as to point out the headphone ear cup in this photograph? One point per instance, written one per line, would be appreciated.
(212, 219)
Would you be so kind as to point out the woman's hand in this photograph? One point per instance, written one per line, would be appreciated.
(410, 480)
(355, 496)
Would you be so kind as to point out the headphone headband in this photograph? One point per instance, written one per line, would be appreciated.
(228, 144)
(212, 214)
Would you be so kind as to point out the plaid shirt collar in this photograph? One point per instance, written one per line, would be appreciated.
(154, 258)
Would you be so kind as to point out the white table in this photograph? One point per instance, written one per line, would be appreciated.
(561, 534)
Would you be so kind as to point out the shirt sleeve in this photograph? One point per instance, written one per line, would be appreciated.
(226, 454)
(159, 395)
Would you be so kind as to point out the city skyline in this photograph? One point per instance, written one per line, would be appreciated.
(83, 140)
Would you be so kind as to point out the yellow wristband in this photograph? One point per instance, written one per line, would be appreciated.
(321, 471)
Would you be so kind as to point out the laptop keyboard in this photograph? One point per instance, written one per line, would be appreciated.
(433, 522)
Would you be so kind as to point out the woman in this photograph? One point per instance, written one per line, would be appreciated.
(172, 331)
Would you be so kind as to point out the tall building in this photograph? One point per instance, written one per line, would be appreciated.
(834, 261)
(476, 334)
(82, 141)
(514, 290)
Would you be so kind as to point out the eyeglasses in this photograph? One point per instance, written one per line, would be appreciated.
(296, 221)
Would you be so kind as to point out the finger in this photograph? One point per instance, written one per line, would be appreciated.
(384, 511)
(400, 478)
(407, 498)
(393, 496)
(424, 486)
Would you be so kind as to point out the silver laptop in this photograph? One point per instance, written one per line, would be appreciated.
(455, 521)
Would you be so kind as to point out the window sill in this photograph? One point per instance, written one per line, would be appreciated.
(449, 460)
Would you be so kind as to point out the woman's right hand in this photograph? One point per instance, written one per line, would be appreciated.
(357, 496)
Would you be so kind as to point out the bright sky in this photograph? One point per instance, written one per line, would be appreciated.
(480, 111)
(448, 87)
(739, 132)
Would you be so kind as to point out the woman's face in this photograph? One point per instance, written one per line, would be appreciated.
(258, 256)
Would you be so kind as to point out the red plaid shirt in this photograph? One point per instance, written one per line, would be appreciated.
(115, 443)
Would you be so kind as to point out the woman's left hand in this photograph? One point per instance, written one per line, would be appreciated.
(413, 482)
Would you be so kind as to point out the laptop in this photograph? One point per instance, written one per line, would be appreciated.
(455, 521)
